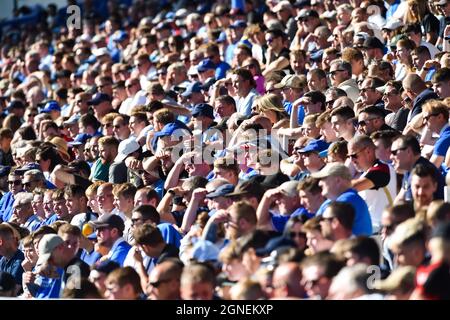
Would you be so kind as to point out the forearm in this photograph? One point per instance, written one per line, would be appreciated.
(174, 176)
(262, 213)
(190, 215)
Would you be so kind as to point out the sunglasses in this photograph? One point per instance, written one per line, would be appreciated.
(355, 155)
(333, 73)
(297, 234)
(156, 284)
(363, 123)
(394, 152)
(16, 183)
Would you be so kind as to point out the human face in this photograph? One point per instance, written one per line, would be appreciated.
(239, 84)
(328, 184)
(337, 76)
(358, 156)
(392, 98)
(72, 243)
(407, 255)
(403, 54)
(133, 125)
(311, 160)
(123, 204)
(105, 199)
(105, 154)
(339, 125)
(433, 121)
(442, 89)
(298, 64)
(296, 233)
(369, 94)
(140, 198)
(37, 204)
(310, 201)
(98, 279)
(367, 123)
(423, 189)
(326, 223)
(315, 282)
(401, 157)
(120, 129)
(15, 184)
(22, 212)
(115, 292)
(59, 206)
(326, 130)
(161, 286)
(234, 270)
(48, 205)
(105, 237)
(197, 291)
(314, 83)
(73, 205)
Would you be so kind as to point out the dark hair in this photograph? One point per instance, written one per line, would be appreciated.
(316, 96)
(148, 234)
(365, 247)
(74, 191)
(344, 213)
(425, 170)
(442, 75)
(148, 212)
(411, 142)
(90, 120)
(344, 112)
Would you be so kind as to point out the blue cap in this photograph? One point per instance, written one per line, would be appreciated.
(204, 251)
(51, 106)
(203, 109)
(119, 36)
(315, 146)
(246, 43)
(206, 64)
(221, 191)
(4, 171)
(28, 166)
(274, 244)
(80, 139)
(170, 128)
(191, 88)
(99, 98)
(238, 24)
(73, 119)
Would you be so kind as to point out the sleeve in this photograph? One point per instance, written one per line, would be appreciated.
(441, 146)
(17, 271)
(379, 175)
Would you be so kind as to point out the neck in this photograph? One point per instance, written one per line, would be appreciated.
(159, 249)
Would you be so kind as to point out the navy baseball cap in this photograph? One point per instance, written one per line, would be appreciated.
(15, 104)
(80, 139)
(221, 191)
(191, 88)
(28, 166)
(315, 146)
(99, 98)
(203, 109)
(238, 24)
(51, 106)
(206, 64)
(170, 128)
(274, 244)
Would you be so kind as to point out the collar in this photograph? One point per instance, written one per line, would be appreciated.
(443, 129)
(114, 246)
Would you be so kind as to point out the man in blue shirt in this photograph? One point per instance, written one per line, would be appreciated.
(109, 230)
(11, 257)
(7, 201)
(23, 212)
(436, 117)
(335, 181)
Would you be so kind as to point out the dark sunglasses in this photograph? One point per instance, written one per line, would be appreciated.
(156, 284)
(16, 182)
(332, 73)
(394, 152)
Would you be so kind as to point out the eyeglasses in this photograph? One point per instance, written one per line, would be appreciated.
(156, 284)
(28, 184)
(390, 94)
(363, 123)
(297, 234)
(133, 221)
(16, 183)
(394, 152)
(333, 73)
(427, 117)
(355, 155)
(270, 40)
(366, 89)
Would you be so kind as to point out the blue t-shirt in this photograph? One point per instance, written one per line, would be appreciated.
(170, 234)
(301, 111)
(221, 70)
(6, 209)
(13, 266)
(443, 143)
(362, 226)
(120, 252)
(50, 220)
(49, 288)
(279, 221)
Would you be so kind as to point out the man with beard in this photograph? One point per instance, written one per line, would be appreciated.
(109, 230)
(107, 147)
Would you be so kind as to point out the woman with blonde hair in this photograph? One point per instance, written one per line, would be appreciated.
(271, 106)
(418, 11)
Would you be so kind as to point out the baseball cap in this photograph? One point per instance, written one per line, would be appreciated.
(26, 167)
(291, 81)
(333, 170)
(48, 243)
(99, 98)
(191, 88)
(274, 180)
(373, 43)
(206, 64)
(72, 120)
(126, 147)
(108, 220)
(275, 244)
(307, 13)
(203, 109)
(119, 36)
(289, 188)
(51, 106)
(315, 145)
(221, 191)
(248, 187)
(170, 128)
(80, 139)
(238, 24)
(15, 104)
